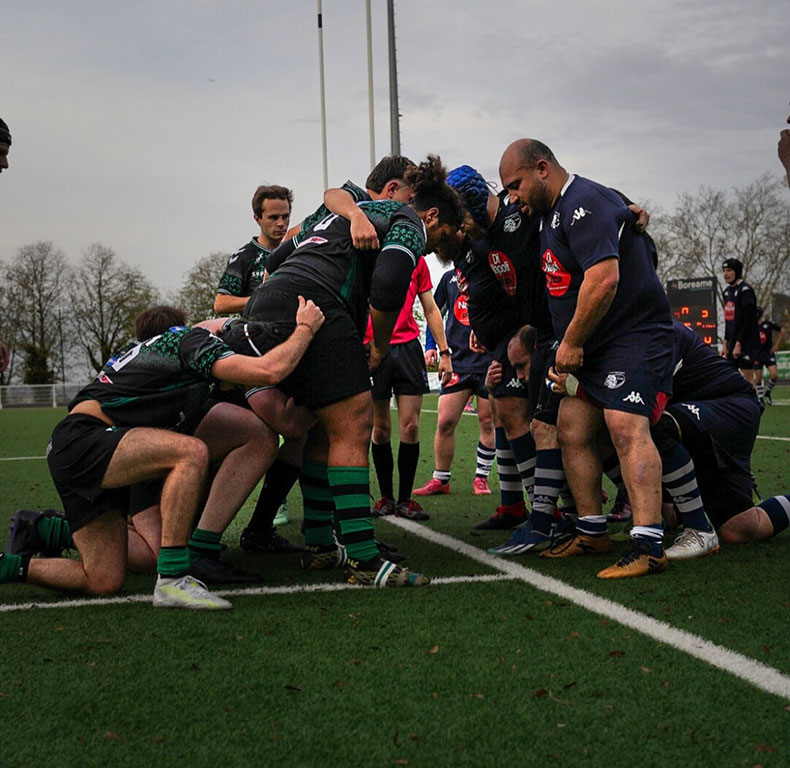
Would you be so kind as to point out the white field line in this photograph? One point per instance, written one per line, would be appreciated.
(752, 671)
(245, 592)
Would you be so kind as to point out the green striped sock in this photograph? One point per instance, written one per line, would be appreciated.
(204, 543)
(319, 510)
(351, 493)
(56, 532)
(172, 561)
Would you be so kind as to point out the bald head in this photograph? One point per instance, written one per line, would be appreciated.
(531, 175)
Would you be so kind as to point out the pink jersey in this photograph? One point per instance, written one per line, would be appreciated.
(406, 327)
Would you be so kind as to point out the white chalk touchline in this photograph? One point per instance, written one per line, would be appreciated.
(752, 671)
(242, 592)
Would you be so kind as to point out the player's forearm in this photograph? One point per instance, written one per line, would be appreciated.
(229, 305)
(433, 320)
(383, 324)
(342, 203)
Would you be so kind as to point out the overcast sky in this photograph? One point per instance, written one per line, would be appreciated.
(147, 124)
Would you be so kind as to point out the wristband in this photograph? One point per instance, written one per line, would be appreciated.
(447, 352)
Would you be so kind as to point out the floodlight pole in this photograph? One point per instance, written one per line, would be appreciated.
(394, 115)
(323, 99)
(370, 86)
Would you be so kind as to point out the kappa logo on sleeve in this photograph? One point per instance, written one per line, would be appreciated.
(579, 213)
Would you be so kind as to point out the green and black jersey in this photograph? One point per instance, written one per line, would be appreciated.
(359, 195)
(326, 256)
(162, 382)
(244, 271)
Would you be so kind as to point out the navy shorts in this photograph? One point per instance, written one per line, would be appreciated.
(719, 435)
(510, 386)
(78, 455)
(474, 382)
(746, 362)
(402, 372)
(632, 373)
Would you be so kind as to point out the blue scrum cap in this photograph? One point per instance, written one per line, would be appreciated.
(473, 191)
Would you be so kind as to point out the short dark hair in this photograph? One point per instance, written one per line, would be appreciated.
(532, 151)
(389, 167)
(270, 192)
(5, 133)
(155, 320)
(431, 191)
(527, 337)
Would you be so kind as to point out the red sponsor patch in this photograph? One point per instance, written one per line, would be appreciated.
(558, 279)
(763, 337)
(461, 309)
(503, 269)
(454, 379)
(729, 311)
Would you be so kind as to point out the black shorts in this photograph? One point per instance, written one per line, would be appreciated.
(335, 365)
(402, 372)
(78, 455)
(145, 495)
(510, 386)
(746, 362)
(545, 404)
(719, 435)
(766, 360)
(473, 382)
(632, 373)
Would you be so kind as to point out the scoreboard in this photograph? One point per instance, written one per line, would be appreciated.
(693, 303)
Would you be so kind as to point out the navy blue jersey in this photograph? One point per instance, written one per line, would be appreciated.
(587, 225)
(766, 330)
(451, 295)
(740, 317)
(245, 268)
(162, 382)
(701, 374)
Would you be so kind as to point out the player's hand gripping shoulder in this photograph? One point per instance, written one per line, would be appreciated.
(642, 217)
(363, 233)
(308, 313)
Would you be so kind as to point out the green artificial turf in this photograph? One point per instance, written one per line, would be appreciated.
(477, 674)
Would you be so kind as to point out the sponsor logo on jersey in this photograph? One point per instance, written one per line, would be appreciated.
(614, 379)
(504, 271)
(460, 280)
(514, 383)
(461, 309)
(693, 408)
(314, 239)
(512, 222)
(729, 311)
(555, 220)
(634, 397)
(558, 279)
(470, 257)
(763, 337)
(579, 213)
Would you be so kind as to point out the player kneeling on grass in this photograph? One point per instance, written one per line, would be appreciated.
(127, 426)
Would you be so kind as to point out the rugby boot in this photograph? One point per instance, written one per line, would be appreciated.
(433, 487)
(383, 507)
(411, 510)
(578, 545)
(506, 516)
(636, 561)
(186, 592)
(378, 572)
(266, 542)
(480, 486)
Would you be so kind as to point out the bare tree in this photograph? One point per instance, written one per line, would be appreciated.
(33, 293)
(751, 224)
(197, 293)
(106, 295)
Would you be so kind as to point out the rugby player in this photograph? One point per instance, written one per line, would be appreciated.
(333, 379)
(131, 425)
(468, 379)
(613, 323)
(5, 145)
(741, 334)
(766, 356)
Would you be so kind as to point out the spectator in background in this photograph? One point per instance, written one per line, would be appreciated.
(5, 144)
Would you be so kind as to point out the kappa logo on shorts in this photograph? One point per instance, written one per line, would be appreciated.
(614, 379)
(634, 397)
(693, 408)
(515, 383)
(512, 222)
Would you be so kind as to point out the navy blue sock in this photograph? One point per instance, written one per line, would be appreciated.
(680, 479)
(524, 454)
(778, 510)
(510, 488)
(549, 481)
